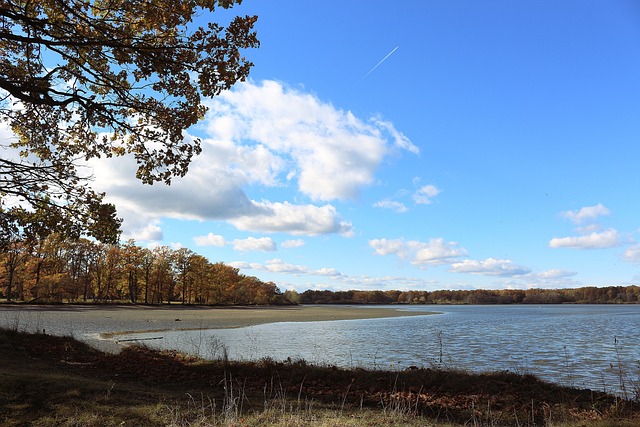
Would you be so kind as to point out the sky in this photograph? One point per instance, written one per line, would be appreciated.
(415, 145)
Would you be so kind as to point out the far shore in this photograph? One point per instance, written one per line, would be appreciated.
(94, 322)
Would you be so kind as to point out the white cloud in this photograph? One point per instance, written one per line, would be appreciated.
(554, 274)
(421, 196)
(424, 194)
(606, 239)
(294, 219)
(589, 228)
(290, 244)
(149, 232)
(550, 279)
(391, 205)
(387, 282)
(632, 254)
(438, 252)
(256, 136)
(387, 247)
(210, 240)
(337, 279)
(489, 267)
(153, 245)
(319, 141)
(400, 140)
(586, 213)
(204, 193)
(276, 265)
(435, 252)
(264, 244)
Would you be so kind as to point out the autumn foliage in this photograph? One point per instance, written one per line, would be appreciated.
(583, 295)
(81, 80)
(80, 270)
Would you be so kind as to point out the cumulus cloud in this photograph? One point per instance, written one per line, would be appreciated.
(263, 244)
(210, 240)
(434, 252)
(437, 252)
(389, 246)
(606, 239)
(256, 136)
(587, 213)
(204, 193)
(317, 139)
(489, 267)
(150, 232)
(294, 219)
(425, 194)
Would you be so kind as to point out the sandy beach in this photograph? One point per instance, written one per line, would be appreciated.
(97, 322)
(237, 317)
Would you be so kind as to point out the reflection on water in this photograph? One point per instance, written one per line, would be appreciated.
(592, 346)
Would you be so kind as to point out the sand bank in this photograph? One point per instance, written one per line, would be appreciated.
(237, 317)
(110, 320)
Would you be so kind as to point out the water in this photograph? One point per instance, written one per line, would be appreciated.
(590, 346)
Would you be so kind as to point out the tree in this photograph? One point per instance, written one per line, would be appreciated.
(82, 79)
(147, 265)
(224, 280)
(292, 296)
(132, 257)
(200, 286)
(15, 254)
(162, 278)
(80, 265)
(182, 264)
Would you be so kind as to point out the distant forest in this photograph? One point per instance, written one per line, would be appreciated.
(584, 295)
(56, 269)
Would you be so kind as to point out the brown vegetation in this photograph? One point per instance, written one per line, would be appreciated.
(584, 295)
(64, 382)
(56, 269)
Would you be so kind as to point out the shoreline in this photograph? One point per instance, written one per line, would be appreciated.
(66, 380)
(241, 317)
(107, 321)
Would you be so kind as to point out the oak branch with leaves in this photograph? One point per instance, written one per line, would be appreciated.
(86, 79)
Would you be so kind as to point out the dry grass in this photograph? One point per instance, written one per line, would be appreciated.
(46, 380)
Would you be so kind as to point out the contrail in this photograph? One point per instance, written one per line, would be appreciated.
(381, 61)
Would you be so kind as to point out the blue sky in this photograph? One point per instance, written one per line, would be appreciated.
(416, 145)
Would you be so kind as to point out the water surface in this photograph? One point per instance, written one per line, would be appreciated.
(591, 346)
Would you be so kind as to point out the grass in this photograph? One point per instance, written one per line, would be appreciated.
(47, 380)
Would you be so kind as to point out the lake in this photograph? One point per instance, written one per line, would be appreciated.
(590, 346)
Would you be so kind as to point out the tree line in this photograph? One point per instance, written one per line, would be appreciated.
(583, 295)
(59, 269)
(56, 269)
